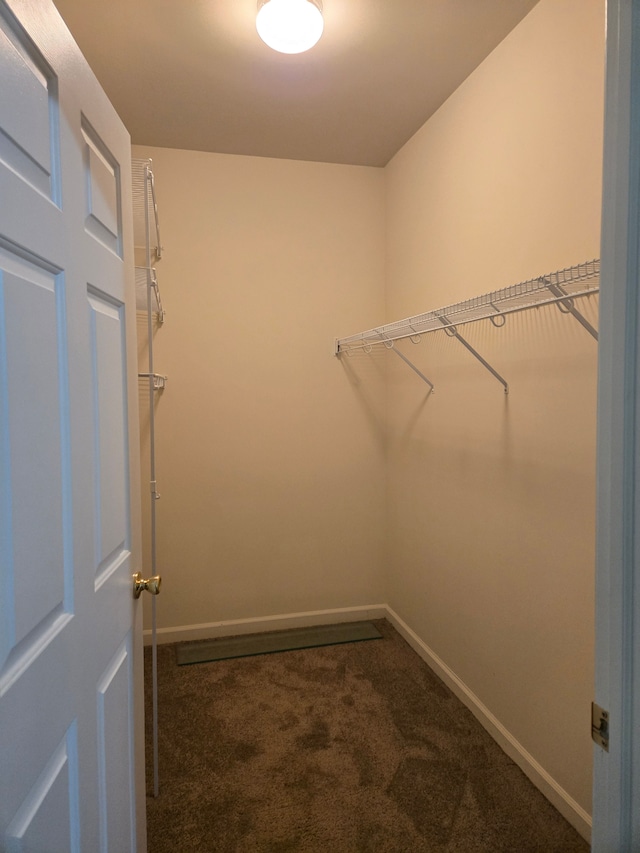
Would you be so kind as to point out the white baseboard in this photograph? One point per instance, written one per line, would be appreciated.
(564, 803)
(281, 622)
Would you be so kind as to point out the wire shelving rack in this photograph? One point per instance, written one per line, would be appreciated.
(561, 288)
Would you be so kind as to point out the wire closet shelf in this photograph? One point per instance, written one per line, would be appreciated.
(560, 288)
(146, 225)
(147, 285)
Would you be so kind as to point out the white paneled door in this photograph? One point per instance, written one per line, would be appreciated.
(69, 540)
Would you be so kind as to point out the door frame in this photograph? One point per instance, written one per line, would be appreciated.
(616, 823)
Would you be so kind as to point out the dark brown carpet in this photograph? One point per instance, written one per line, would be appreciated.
(355, 748)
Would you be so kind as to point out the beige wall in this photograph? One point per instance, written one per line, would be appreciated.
(491, 498)
(269, 461)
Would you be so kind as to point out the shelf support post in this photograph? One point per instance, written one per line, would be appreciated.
(451, 330)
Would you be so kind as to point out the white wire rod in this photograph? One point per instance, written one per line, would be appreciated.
(576, 282)
(451, 330)
(152, 471)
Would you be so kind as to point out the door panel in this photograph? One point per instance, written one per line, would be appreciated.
(51, 807)
(33, 328)
(109, 434)
(103, 198)
(28, 103)
(117, 807)
(31, 343)
(70, 631)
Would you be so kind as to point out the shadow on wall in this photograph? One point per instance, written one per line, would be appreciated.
(366, 373)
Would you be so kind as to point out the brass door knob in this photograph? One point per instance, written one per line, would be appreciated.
(151, 585)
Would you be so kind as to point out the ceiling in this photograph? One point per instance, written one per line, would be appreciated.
(194, 74)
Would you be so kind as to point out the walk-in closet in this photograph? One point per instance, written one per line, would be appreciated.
(367, 387)
(311, 475)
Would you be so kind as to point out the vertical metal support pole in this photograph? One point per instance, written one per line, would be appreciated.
(154, 495)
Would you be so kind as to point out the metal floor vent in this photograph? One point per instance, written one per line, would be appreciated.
(222, 648)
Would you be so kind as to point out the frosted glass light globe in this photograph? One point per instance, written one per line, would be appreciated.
(290, 26)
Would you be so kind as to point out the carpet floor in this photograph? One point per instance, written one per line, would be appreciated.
(355, 748)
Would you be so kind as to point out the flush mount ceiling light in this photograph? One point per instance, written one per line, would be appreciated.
(290, 26)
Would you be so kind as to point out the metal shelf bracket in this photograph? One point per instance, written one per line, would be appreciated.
(390, 345)
(151, 183)
(159, 381)
(451, 330)
(566, 305)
